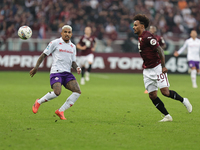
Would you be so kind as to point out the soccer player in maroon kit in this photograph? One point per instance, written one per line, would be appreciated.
(155, 72)
(87, 46)
(161, 41)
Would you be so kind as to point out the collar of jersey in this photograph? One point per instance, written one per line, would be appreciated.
(64, 41)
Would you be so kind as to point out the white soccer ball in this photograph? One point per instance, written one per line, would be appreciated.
(25, 32)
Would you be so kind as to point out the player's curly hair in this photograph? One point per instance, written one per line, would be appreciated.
(143, 19)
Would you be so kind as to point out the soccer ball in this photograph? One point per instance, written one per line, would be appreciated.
(25, 32)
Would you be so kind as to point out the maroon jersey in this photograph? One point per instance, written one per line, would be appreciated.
(147, 44)
(160, 40)
(89, 43)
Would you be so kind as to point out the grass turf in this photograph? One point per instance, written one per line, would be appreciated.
(112, 113)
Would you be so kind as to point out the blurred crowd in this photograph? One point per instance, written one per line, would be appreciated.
(106, 17)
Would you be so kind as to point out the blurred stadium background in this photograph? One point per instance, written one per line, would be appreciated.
(111, 22)
(113, 112)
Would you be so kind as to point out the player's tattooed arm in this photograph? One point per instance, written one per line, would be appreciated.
(162, 55)
(162, 58)
(76, 67)
(40, 60)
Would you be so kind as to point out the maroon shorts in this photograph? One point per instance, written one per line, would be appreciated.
(63, 78)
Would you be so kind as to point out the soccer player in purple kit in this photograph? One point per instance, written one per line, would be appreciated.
(193, 49)
(154, 70)
(87, 46)
(64, 57)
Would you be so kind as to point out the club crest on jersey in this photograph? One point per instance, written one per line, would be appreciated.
(153, 42)
(56, 78)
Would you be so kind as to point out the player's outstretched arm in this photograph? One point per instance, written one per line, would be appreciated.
(182, 49)
(39, 61)
(176, 54)
(81, 47)
(76, 67)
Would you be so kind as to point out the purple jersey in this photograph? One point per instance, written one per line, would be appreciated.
(147, 44)
(89, 43)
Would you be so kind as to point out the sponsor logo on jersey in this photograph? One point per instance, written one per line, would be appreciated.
(149, 37)
(66, 51)
(153, 42)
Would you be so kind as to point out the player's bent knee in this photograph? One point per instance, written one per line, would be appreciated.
(152, 95)
(165, 92)
(57, 93)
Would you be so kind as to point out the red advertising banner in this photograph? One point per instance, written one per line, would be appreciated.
(103, 62)
(117, 62)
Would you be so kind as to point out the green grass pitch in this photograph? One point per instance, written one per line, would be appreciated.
(112, 113)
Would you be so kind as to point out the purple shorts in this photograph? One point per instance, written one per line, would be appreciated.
(193, 64)
(63, 78)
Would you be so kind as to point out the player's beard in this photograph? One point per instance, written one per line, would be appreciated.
(66, 39)
(135, 32)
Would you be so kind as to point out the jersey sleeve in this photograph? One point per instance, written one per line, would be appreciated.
(50, 48)
(183, 48)
(152, 42)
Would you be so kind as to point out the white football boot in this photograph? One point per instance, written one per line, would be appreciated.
(189, 70)
(87, 76)
(194, 86)
(187, 104)
(166, 118)
(82, 81)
